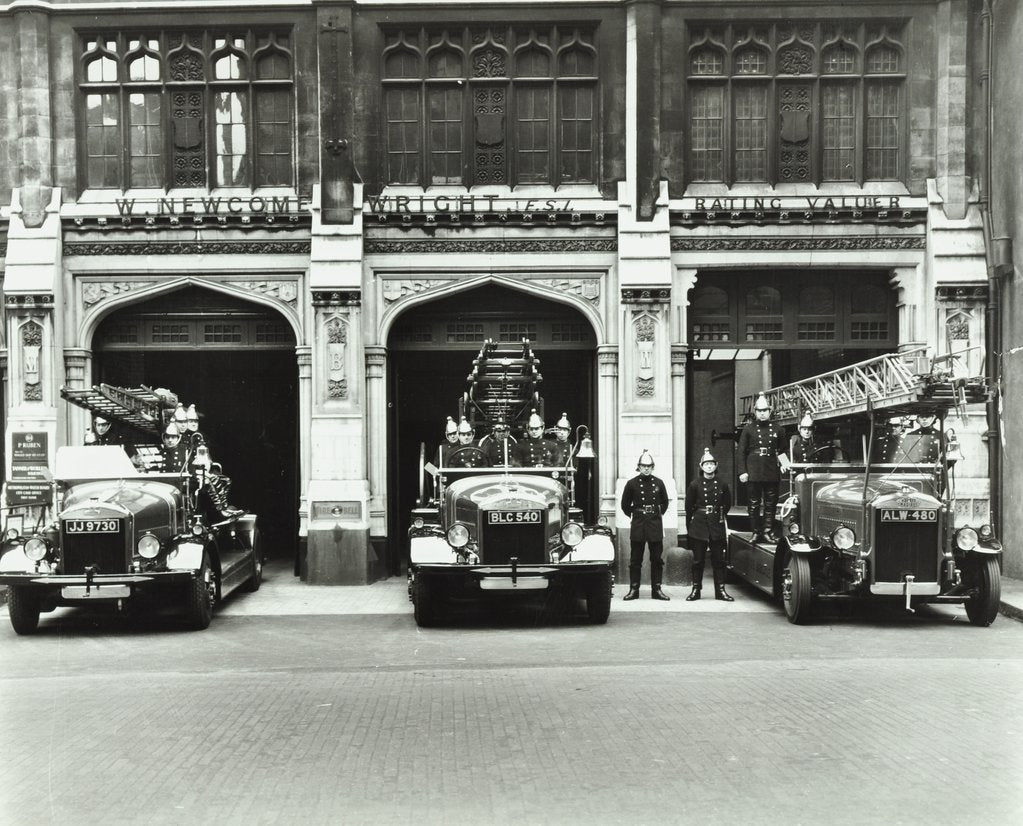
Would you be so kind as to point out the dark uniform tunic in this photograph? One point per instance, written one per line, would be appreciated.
(532, 452)
(644, 501)
(805, 451)
(495, 453)
(759, 446)
(469, 456)
(707, 503)
(174, 458)
(923, 444)
(444, 449)
(560, 451)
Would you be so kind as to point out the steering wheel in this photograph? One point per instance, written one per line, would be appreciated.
(466, 451)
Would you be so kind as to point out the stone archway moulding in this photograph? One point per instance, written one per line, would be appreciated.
(545, 287)
(272, 293)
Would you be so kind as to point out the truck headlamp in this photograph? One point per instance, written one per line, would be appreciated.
(966, 539)
(572, 534)
(843, 537)
(35, 549)
(148, 546)
(793, 528)
(418, 522)
(11, 534)
(985, 532)
(458, 535)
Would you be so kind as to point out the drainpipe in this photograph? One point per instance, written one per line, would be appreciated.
(994, 249)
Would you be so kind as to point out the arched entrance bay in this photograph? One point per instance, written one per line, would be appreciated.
(235, 360)
(430, 350)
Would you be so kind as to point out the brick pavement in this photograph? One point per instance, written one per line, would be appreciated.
(656, 718)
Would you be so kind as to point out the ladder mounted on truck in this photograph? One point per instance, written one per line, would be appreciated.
(140, 408)
(502, 385)
(897, 383)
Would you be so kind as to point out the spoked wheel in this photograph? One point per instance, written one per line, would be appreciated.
(796, 590)
(982, 607)
(598, 598)
(202, 595)
(23, 608)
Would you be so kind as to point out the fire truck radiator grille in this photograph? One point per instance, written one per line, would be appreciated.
(501, 542)
(906, 548)
(103, 550)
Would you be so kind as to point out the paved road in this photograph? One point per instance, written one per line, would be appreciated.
(719, 714)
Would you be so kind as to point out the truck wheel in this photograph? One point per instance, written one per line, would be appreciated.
(982, 607)
(202, 593)
(598, 598)
(796, 588)
(23, 608)
(254, 581)
(424, 601)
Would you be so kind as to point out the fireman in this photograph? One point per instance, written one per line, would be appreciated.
(172, 451)
(928, 440)
(707, 502)
(450, 439)
(534, 450)
(466, 453)
(192, 437)
(560, 448)
(500, 449)
(100, 433)
(805, 448)
(762, 460)
(644, 501)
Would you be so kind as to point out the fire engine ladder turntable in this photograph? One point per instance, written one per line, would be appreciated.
(502, 385)
(138, 407)
(896, 384)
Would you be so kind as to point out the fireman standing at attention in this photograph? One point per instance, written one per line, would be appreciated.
(644, 501)
(707, 502)
(762, 460)
(534, 450)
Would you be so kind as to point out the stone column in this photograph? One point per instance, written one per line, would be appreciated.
(910, 303)
(376, 437)
(77, 369)
(606, 437)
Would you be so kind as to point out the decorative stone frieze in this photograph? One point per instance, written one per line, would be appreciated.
(848, 242)
(646, 295)
(336, 298)
(186, 248)
(489, 245)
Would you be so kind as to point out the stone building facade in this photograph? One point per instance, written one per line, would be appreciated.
(308, 216)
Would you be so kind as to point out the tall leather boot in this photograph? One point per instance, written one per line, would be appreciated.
(657, 593)
(719, 587)
(633, 592)
(697, 584)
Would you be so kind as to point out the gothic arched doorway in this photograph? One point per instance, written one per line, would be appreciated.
(430, 349)
(235, 360)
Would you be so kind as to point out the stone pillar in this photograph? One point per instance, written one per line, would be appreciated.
(376, 427)
(952, 59)
(606, 437)
(77, 370)
(910, 304)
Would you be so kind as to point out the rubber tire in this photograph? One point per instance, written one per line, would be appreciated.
(598, 598)
(983, 608)
(24, 609)
(797, 602)
(199, 612)
(253, 582)
(424, 601)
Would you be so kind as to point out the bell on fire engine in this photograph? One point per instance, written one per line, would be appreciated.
(585, 449)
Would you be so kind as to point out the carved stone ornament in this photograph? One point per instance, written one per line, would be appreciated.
(645, 329)
(286, 291)
(587, 289)
(395, 289)
(490, 245)
(337, 348)
(31, 348)
(846, 242)
(94, 292)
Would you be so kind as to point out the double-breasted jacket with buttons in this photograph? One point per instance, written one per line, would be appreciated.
(644, 501)
(759, 447)
(533, 452)
(707, 504)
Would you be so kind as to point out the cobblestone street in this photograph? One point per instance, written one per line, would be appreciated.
(293, 706)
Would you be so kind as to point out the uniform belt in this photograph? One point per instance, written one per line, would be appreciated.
(709, 509)
(647, 509)
(763, 451)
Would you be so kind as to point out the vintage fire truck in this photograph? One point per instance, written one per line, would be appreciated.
(119, 534)
(870, 515)
(489, 522)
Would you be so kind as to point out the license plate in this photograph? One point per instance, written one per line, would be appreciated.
(95, 592)
(520, 584)
(92, 526)
(909, 515)
(513, 517)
